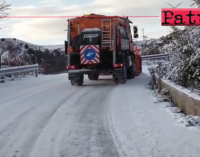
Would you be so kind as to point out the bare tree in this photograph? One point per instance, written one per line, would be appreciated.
(195, 2)
(3, 7)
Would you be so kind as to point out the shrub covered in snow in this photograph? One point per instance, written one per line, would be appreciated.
(157, 46)
(184, 66)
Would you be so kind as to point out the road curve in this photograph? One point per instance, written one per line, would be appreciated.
(47, 117)
(51, 118)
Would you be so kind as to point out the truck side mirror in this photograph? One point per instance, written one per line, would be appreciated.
(135, 31)
(135, 35)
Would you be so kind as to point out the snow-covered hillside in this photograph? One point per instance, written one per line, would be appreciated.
(15, 50)
(22, 44)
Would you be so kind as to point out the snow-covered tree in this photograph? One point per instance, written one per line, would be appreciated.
(184, 67)
(3, 49)
(150, 47)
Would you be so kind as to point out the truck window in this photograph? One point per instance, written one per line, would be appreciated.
(76, 42)
(123, 32)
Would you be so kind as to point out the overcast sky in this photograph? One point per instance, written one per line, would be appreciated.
(51, 31)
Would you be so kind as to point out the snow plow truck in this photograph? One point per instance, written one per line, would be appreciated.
(100, 45)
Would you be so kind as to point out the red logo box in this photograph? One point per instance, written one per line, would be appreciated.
(180, 17)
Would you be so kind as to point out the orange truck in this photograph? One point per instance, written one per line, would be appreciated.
(99, 45)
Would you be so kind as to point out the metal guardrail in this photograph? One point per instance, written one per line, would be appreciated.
(20, 69)
(156, 56)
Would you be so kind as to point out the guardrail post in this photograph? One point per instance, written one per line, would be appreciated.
(36, 71)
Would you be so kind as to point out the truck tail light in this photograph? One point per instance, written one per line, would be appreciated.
(67, 67)
(71, 67)
(118, 65)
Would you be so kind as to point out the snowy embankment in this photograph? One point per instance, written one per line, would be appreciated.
(184, 100)
(187, 101)
(46, 116)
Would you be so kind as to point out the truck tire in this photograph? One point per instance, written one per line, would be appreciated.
(131, 72)
(78, 81)
(123, 79)
(124, 74)
(116, 80)
(93, 76)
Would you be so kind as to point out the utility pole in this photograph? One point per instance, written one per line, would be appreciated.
(0, 60)
(143, 33)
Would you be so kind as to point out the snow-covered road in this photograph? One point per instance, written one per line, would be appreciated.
(47, 117)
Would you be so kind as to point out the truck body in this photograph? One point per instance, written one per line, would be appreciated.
(99, 44)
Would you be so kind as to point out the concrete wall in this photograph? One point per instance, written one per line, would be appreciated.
(186, 102)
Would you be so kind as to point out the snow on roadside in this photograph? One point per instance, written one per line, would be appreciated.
(164, 100)
(145, 127)
(28, 80)
(180, 118)
(6, 79)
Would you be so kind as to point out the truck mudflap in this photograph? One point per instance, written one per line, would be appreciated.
(73, 76)
(118, 73)
(119, 76)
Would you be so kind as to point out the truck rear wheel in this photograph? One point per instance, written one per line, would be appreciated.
(93, 76)
(77, 81)
(116, 80)
(124, 73)
(122, 77)
(131, 72)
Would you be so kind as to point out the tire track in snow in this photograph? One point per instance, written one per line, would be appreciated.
(44, 148)
(92, 136)
(77, 124)
(31, 82)
(116, 140)
(84, 130)
(22, 124)
(19, 108)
